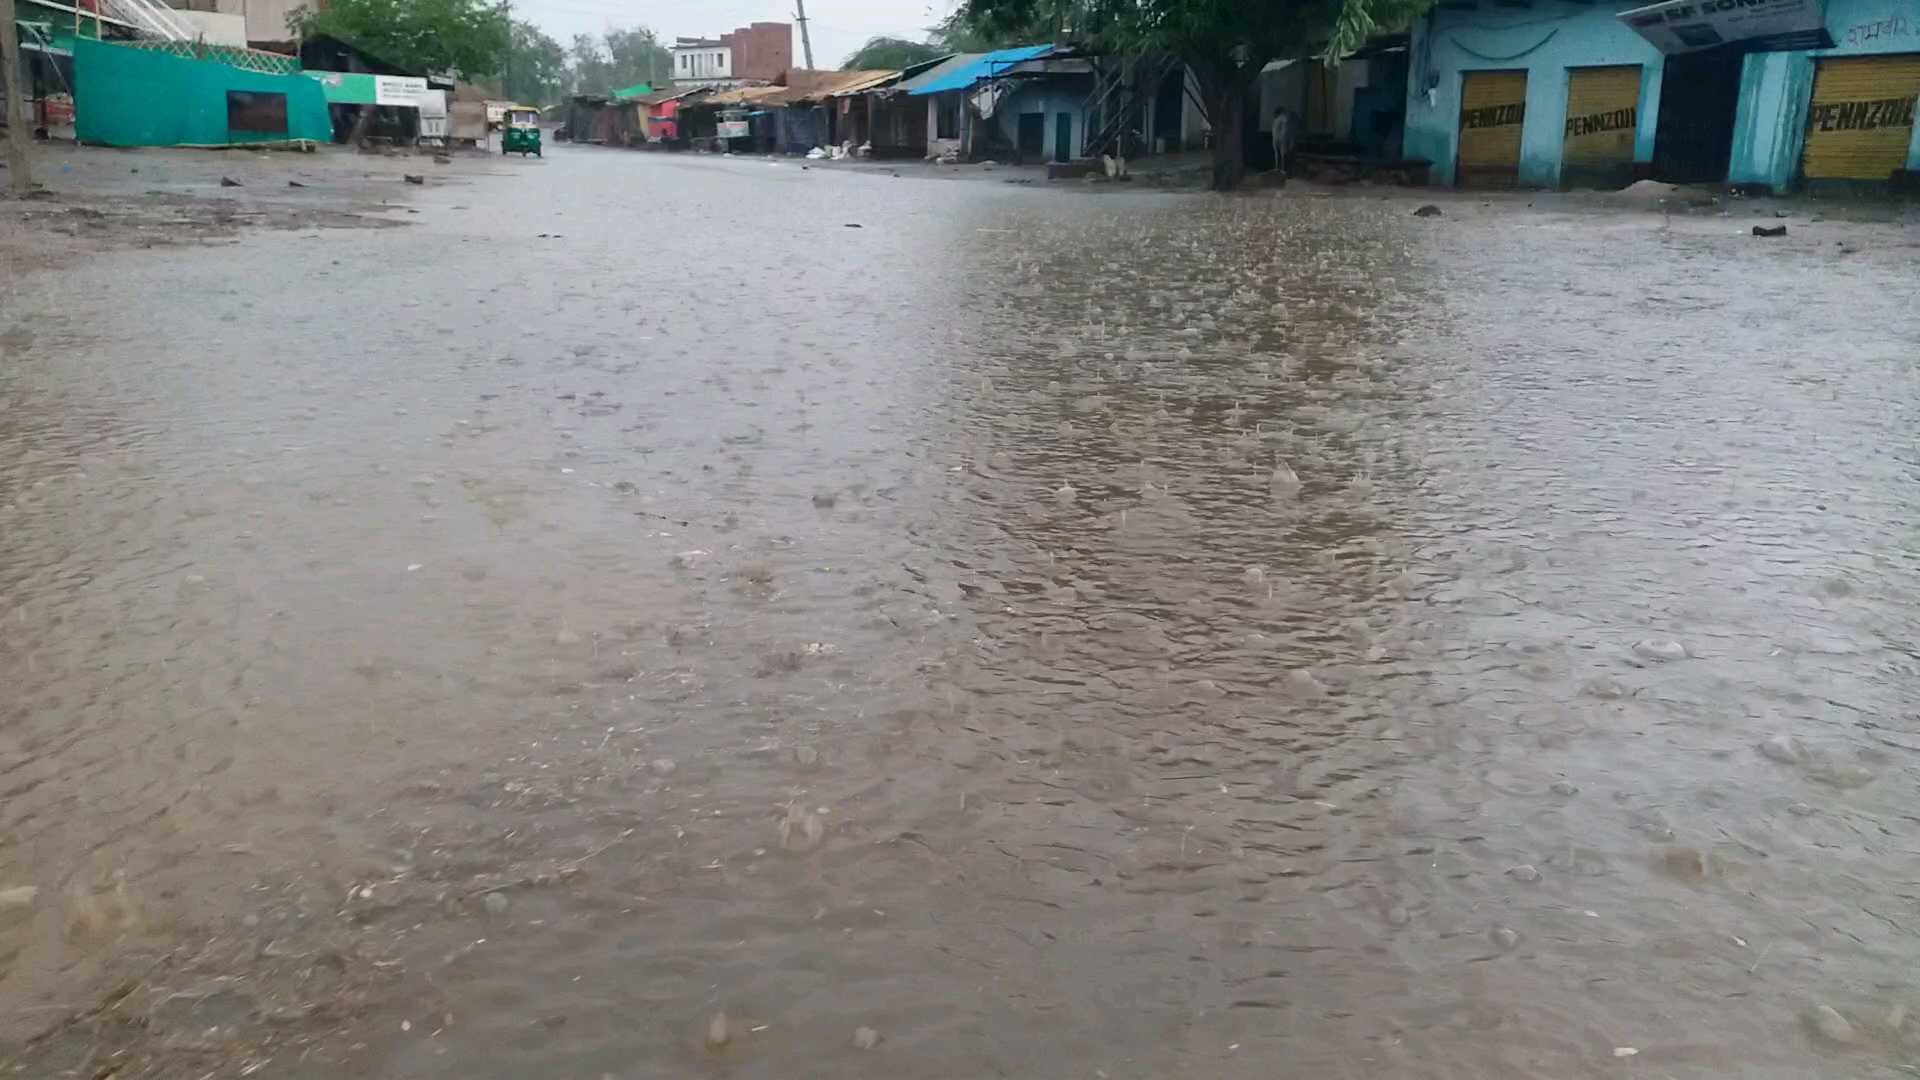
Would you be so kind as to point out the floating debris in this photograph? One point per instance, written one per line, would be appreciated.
(1827, 1022)
(1659, 651)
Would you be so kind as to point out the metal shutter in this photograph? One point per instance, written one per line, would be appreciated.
(1861, 119)
(1493, 108)
(1603, 113)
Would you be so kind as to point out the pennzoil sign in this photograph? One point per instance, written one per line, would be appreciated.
(1682, 26)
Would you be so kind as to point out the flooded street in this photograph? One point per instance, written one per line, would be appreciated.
(631, 624)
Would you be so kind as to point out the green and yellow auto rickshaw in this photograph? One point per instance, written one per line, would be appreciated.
(520, 131)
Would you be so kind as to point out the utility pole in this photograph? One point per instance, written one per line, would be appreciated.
(506, 62)
(18, 179)
(806, 40)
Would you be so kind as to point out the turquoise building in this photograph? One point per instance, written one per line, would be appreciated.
(1556, 93)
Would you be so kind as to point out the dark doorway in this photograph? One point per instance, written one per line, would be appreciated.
(1032, 143)
(1693, 140)
(256, 113)
(1063, 137)
(1169, 104)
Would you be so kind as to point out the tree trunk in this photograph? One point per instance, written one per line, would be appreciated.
(1226, 111)
(13, 103)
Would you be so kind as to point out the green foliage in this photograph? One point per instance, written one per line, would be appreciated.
(1228, 39)
(535, 72)
(891, 54)
(618, 59)
(1224, 42)
(984, 27)
(467, 38)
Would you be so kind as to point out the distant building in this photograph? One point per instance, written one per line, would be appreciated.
(266, 20)
(752, 55)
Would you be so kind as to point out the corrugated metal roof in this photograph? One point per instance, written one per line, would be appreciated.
(970, 68)
(874, 80)
(802, 85)
(940, 69)
(745, 95)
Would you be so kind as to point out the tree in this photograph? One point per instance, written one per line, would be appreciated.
(618, 59)
(891, 54)
(536, 67)
(985, 27)
(1224, 42)
(467, 38)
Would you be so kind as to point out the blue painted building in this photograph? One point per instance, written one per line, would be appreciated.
(1556, 93)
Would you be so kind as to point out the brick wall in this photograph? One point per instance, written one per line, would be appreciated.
(761, 50)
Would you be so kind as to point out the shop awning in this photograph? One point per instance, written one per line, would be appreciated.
(1684, 26)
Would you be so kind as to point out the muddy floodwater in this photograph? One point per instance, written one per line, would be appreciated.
(629, 623)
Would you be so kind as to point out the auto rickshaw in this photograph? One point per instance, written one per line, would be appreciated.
(520, 131)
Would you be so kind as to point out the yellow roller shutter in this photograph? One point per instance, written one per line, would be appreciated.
(1493, 107)
(1603, 112)
(1861, 119)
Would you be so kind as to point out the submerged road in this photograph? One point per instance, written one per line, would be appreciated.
(1034, 634)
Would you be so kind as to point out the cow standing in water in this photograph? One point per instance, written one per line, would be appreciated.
(1282, 140)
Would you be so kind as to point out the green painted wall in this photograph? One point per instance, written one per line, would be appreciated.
(137, 97)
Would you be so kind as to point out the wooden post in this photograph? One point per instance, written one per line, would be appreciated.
(18, 180)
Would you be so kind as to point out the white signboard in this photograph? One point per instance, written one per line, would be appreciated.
(1682, 26)
(733, 129)
(402, 90)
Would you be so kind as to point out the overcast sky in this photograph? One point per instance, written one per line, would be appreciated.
(839, 26)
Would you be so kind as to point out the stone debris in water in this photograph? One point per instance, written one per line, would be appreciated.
(1660, 651)
(496, 903)
(801, 829)
(718, 1033)
(663, 766)
(1065, 494)
(1562, 787)
(1524, 873)
(1687, 864)
(1506, 937)
(1784, 749)
(865, 1038)
(1305, 685)
(1829, 1024)
(1604, 687)
(17, 905)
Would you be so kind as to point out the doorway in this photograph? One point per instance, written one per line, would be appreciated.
(1031, 144)
(1063, 137)
(1603, 118)
(1169, 103)
(1693, 138)
(1493, 113)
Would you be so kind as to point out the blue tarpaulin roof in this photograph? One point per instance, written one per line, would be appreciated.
(982, 66)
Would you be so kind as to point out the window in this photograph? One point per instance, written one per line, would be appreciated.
(685, 59)
(947, 125)
(262, 114)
